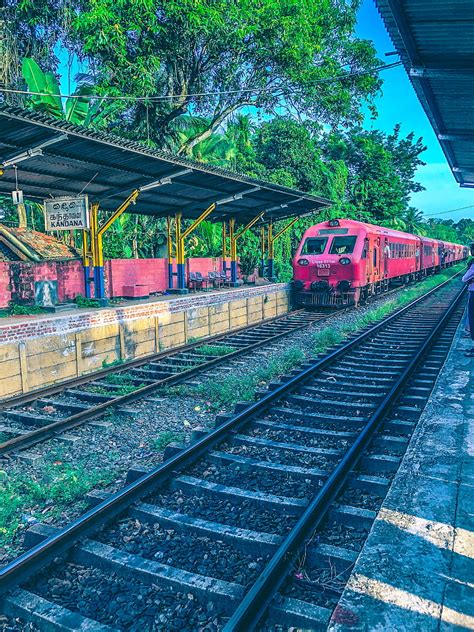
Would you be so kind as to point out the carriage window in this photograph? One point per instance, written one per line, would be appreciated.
(375, 257)
(342, 245)
(314, 246)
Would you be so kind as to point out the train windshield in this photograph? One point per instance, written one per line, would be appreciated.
(342, 245)
(314, 246)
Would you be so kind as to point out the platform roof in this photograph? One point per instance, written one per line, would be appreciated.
(108, 168)
(435, 39)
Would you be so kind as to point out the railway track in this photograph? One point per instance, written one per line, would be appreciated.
(29, 419)
(257, 524)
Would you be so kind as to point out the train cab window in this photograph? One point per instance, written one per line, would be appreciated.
(314, 246)
(342, 245)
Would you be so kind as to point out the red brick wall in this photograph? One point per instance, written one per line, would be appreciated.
(150, 272)
(17, 279)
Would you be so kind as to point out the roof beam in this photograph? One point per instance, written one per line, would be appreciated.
(419, 72)
(31, 152)
(236, 196)
(458, 136)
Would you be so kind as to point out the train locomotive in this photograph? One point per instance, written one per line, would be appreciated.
(343, 262)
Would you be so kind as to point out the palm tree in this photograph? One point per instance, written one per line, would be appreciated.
(414, 221)
(218, 149)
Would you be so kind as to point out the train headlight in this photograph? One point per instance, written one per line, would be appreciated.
(345, 261)
(333, 222)
(303, 262)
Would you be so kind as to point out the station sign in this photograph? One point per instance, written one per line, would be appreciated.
(66, 213)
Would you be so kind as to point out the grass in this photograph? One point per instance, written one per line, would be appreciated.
(177, 389)
(329, 336)
(24, 310)
(82, 301)
(165, 438)
(214, 350)
(236, 388)
(25, 499)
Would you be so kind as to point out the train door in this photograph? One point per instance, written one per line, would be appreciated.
(376, 261)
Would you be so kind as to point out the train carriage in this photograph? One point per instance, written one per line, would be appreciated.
(341, 262)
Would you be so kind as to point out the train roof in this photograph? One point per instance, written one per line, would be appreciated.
(382, 230)
(388, 232)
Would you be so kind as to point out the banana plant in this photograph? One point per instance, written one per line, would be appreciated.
(79, 108)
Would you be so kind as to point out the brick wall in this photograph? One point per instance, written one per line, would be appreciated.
(123, 272)
(17, 279)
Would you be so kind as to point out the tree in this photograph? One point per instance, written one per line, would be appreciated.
(271, 54)
(79, 108)
(381, 172)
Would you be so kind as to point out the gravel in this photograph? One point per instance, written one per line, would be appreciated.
(185, 551)
(273, 483)
(243, 514)
(306, 439)
(127, 604)
(111, 450)
(283, 457)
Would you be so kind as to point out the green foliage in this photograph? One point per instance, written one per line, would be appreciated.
(165, 438)
(214, 350)
(59, 486)
(203, 46)
(82, 301)
(79, 108)
(24, 310)
(235, 388)
(325, 338)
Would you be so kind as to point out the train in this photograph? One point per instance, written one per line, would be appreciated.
(343, 262)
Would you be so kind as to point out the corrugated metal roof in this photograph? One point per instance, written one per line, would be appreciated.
(110, 167)
(435, 39)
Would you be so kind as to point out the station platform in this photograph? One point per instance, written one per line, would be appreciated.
(416, 570)
(40, 350)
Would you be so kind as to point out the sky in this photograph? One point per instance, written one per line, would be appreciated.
(398, 103)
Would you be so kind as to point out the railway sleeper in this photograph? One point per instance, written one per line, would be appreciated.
(199, 486)
(248, 541)
(304, 401)
(90, 396)
(47, 614)
(291, 613)
(127, 565)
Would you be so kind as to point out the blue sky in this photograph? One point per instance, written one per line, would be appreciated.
(398, 103)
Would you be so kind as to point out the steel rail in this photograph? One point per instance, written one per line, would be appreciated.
(25, 398)
(38, 556)
(255, 603)
(56, 427)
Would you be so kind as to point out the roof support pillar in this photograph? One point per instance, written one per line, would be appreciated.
(97, 241)
(271, 243)
(169, 244)
(181, 276)
(233, 243)
(224, 246)
(262, 251)
(85, 263)
(180, 247)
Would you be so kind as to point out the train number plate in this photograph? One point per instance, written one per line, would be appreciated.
(323, 272)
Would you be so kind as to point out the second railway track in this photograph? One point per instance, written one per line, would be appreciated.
(210, 539)
(29, 419)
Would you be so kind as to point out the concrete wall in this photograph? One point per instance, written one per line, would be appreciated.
(38, 351)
